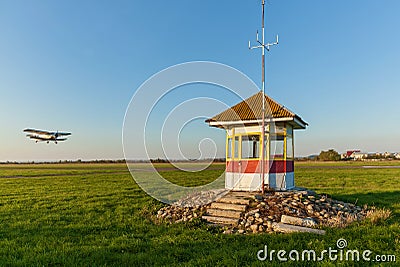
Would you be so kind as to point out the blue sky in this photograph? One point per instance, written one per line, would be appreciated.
(74, 66)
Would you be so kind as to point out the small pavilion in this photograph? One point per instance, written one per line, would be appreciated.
(243, 125)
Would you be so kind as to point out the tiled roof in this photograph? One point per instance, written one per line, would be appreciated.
(251, 109)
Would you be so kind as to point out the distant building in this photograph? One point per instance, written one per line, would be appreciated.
(359, 155)
(350, 154)
(388, 155)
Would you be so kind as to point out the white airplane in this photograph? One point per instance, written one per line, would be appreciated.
(45, 136)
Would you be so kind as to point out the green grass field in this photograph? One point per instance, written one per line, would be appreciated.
(95, 215)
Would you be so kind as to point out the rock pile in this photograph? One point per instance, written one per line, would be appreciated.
(176, 214)
(317, 209)
(265, 211)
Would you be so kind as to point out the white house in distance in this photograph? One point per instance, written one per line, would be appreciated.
(354, 155)
(358, 155)
(242, 123)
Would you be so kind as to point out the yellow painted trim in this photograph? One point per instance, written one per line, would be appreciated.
(284, 142)
(292, 144)
(268, 146)
(233, 136)
(261, 147)
(240, 147)
(266, 138)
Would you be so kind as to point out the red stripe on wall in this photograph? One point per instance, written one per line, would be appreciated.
(252, 166)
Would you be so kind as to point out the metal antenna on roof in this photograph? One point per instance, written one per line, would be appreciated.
(264, 46)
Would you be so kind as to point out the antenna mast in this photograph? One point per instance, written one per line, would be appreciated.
(264, 46)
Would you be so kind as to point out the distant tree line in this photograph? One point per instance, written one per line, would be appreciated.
(65, 161)
(158, 160)
(329, 155)
(381, 156)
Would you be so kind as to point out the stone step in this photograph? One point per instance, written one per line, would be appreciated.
(228, 206)
(287, 228)
(234, 200)
(220, 220)
(242, 194)
(224, 213)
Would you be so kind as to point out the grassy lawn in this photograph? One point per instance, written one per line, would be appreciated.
(95, 215)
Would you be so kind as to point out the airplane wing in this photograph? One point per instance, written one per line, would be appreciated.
(36, 131)
(61, 139)
(36, 137)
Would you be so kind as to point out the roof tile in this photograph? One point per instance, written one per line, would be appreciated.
(251, 109)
